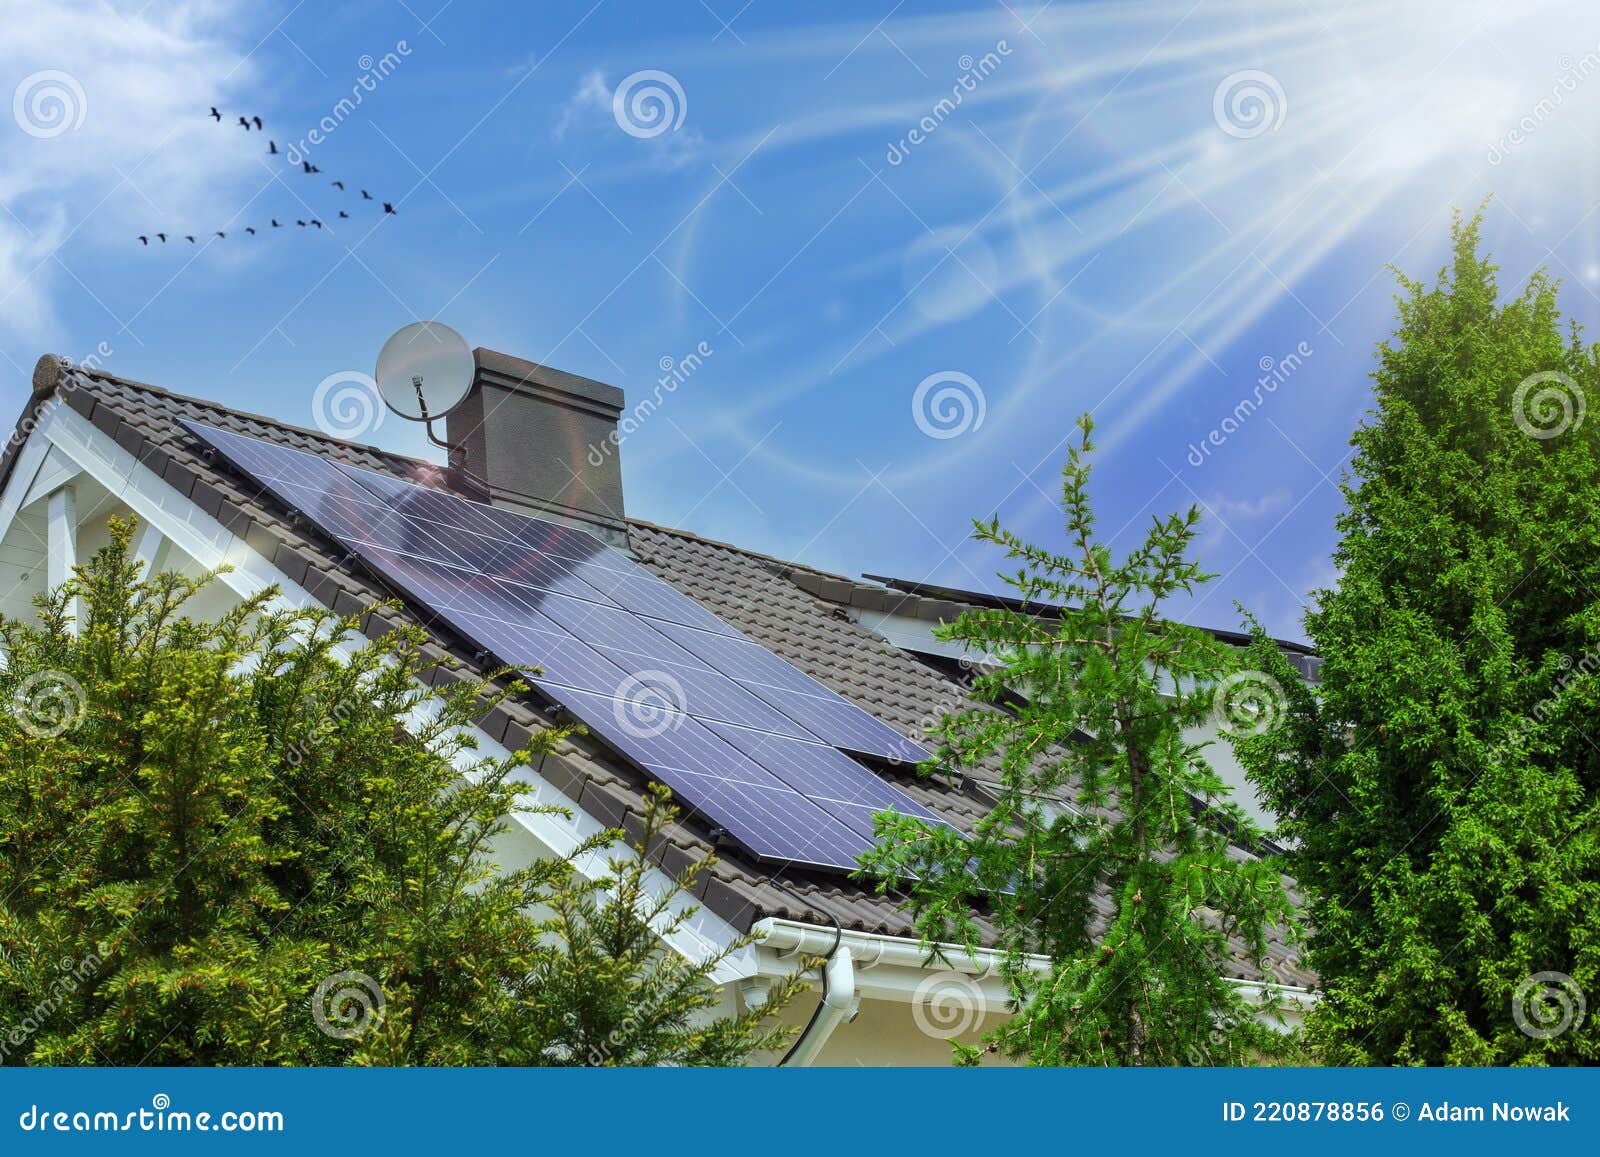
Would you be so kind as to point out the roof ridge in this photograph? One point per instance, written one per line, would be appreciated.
(45, 381)
(787, 564)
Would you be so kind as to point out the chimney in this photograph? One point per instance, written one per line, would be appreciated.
(544, 442)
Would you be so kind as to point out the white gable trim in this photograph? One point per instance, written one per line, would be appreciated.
(29, 461)
(54, 472)
(195, 533)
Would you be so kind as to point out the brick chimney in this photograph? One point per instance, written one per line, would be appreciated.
(544, 442)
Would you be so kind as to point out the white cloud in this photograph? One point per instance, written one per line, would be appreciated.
(593, 93)
(589, 110)
(1233, 510)
(104, 135)
(1225, 524)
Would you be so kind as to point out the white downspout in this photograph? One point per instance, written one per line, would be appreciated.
(838, 994)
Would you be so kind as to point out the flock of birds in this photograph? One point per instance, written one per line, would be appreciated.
(253, 124)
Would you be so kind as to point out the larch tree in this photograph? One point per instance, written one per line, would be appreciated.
(1110, 846)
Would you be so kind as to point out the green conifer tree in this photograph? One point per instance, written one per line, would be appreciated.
(1095, 854)
(262, 839)
(1441, 788)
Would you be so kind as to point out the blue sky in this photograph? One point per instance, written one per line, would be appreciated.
(1138, 210)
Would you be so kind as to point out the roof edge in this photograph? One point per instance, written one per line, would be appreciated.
(946, 596)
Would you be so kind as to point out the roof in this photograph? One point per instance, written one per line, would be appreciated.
(767, 598)
(929, 600)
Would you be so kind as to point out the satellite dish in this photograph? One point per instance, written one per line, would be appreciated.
(424, 371)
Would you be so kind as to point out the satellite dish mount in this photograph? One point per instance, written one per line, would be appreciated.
(426, 418)
(424, 371)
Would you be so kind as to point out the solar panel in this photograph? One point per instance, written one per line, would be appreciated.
(600, 574)
(489, 539)
(825, 714)
(649, 596)
(575, 643)
(762, 812)
(734, 730)
(833, 781)
(476, 537)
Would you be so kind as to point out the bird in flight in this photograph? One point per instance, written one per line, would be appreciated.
(342, 213)
(309, 167)
(220, 233)
(163, 237)
(250, 229)
(243, 121)
(257, 121)
(276, 224)
(215, 115)
(302, 224)
(317, 223)
(388, 208)
(272, 148)
(366, 196)
(188, 238)
(339, 185)
(143, 240)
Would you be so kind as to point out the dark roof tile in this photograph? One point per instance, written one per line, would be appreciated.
(106, 419)
(180, 477)
(81, 401)
(129, 438)
(291, 562)
(607, 803)
(261, 539)
(561, 773)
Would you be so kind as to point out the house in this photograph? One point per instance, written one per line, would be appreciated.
(540, 442)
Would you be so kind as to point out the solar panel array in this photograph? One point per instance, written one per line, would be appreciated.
(737, 733)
